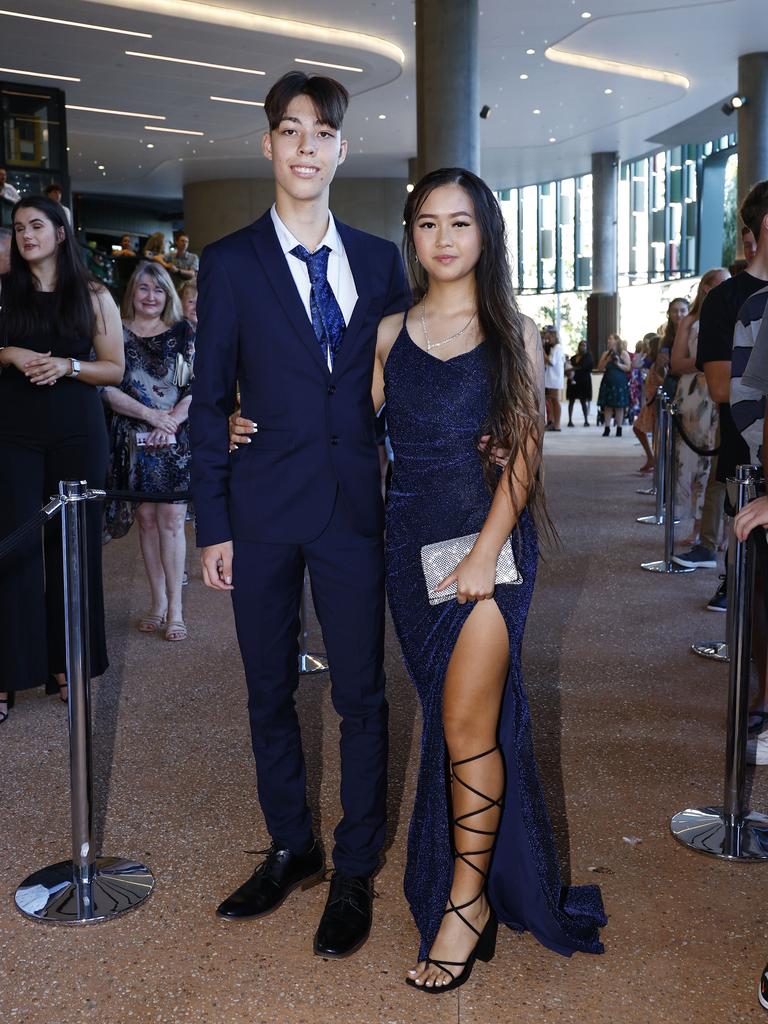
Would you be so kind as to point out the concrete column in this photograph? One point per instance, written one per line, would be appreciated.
(605, 193)
(602, 304)
(753, 122)
(447, 106)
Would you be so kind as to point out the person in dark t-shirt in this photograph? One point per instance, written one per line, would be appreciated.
(719, 314)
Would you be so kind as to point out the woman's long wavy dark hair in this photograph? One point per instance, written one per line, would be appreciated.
(670, 328)
(514, 414)
(73, 314)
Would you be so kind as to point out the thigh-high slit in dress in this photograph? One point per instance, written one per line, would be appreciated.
(435, 411)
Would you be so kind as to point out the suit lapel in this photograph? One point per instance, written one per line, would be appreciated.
(272, 259)
(359, 265)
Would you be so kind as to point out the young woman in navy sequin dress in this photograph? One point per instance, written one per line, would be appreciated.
(465, 364)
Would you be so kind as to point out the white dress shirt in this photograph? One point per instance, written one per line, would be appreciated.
(339, 271)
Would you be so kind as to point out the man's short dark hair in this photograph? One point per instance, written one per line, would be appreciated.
(53, 187)
(329, 97)
(755, 207)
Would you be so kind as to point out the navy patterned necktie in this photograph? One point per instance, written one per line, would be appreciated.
(327, 318)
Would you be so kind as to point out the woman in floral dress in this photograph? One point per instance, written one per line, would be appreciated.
(150, 445)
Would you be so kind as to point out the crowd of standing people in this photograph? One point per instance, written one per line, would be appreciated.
(66, 360)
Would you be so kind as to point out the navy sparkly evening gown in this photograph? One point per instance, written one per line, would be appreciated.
(435, 412)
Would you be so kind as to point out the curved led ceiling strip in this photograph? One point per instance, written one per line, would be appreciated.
(229, 17)
(617, 67)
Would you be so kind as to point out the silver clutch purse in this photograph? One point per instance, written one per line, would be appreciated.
(439, 560)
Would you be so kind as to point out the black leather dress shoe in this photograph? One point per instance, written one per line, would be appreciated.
(271, 882)
(346, 920)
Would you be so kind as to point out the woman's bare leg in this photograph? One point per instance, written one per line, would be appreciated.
(642, 437)
(146, 515)
(474, 686)
(173, 551)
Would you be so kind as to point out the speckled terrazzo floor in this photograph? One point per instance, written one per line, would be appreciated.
(629, 729)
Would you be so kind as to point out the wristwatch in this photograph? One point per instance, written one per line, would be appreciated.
(75, 367)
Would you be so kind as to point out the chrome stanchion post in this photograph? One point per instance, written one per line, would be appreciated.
(733, 832)
(659, 470)
(666, 565)
(86, 888)
(308, 663)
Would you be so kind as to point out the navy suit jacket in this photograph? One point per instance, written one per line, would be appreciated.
(315, 428)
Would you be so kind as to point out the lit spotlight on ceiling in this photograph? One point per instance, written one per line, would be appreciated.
(734, 103)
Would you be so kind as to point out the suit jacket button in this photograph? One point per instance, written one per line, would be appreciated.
(332, 389)
(334, 440)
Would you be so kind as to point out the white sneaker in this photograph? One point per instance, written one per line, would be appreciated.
(757, 749)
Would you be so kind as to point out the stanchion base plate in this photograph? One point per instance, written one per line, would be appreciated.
(706, 831)
(714, 651)
(52, 895)
(653, 520)
(311, 663)
(668, 567)
(646, 490)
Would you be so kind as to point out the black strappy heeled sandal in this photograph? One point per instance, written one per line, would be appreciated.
(485, 948)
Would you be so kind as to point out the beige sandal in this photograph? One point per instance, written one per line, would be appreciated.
(151, 623)
(175, 630)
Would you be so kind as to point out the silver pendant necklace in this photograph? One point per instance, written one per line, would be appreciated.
(452, 337)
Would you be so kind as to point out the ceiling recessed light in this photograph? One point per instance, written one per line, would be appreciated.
(323, 64)
(586, 14)
(410, 187)
(530, 52)
(39, 74)
(195, 63)
(77, 24)
(523, 77)
(382, 117)
(536, 110)
(150, 145)
(245, 103)
(552, 138)
(171, 131)
(608, 92)
(101, 167)
(118, 113)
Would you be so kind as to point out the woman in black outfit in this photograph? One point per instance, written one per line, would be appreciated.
(579, 385)
(60, 337)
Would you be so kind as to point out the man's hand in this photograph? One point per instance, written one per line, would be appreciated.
(216, 560)
(754, 514)
(240, 430)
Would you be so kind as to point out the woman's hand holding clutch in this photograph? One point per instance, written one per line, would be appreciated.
(159, 438)
(474, 576)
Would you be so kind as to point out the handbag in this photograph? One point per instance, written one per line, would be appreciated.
(182, 371)
(439, 560)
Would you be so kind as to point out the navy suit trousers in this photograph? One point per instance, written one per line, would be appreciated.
(347, 578)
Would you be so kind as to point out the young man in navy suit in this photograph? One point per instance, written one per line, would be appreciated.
(288, 310)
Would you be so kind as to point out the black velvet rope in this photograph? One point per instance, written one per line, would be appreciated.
(20, 534)
(160, 497)
(695, 448)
